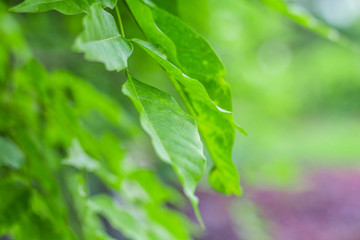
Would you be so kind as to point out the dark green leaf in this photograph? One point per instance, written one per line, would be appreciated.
(14, 203)
(169, 5)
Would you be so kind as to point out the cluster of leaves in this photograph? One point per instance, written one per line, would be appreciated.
(195, 70)
(58, 134)
(53, 147)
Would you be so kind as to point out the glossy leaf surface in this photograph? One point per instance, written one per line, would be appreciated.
(174, 133)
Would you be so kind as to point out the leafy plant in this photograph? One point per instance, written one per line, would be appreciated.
(59, 135)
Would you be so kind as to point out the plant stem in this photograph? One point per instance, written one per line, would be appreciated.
(119, 20)
(122, 32)
(183, 96)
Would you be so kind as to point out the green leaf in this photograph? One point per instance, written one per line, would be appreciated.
(169, 5)
(141, 222)
(101, 40)
(69, 7)
(216, 126)
(189, 59)
(174, 133)
(34, 227)
(175, 223)
(10, 154)
(79, 159)
(14, 203)
(120, 218)
(184, 48)
(143, 185)
(305, 19)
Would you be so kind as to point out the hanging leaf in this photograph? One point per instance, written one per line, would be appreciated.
(185, 48)
(174, 133)
(216, 125)
(69, 7)
(189, 59)
(101, 40)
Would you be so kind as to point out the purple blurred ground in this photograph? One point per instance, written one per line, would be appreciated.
(328, 209)
(214, 210)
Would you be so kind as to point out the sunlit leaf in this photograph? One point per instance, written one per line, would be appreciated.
(173, 132)
(101, 40)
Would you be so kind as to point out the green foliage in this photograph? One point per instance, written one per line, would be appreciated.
(61, 138)
(193, 64)
(63, 6)
(101, 40)
(303, 18)
(173, 132)
(10, 154)
(189, 52)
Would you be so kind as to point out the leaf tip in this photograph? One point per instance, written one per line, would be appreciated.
(241, 130)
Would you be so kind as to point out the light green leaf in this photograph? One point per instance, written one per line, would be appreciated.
(216, 125)
(129, 224)
(305, 19)
(155, 191)
(79, 159)
(101, 40)
(64, 6)
(10, 154)
(173, 132)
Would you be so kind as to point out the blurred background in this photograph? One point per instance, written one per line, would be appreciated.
(296, 93)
